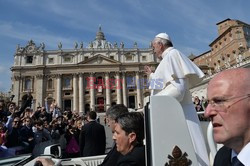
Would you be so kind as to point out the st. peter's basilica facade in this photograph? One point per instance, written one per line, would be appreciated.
(83, 78)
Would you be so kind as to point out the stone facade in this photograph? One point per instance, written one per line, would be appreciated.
(83, 78)
(229, 50)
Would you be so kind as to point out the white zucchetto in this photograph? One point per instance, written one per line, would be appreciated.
(163, 36)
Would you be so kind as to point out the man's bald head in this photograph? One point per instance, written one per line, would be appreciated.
(238, 78)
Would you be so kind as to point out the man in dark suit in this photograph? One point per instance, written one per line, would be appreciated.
(27, 135)
(92, 137)
(13, 133)
(229, 110)
(129, 135)
(111, 114)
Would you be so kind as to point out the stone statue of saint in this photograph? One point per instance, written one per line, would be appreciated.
(76, 45)
(122, 45)
(31, 42)
(17, 47)
(135, 45)
(60, 46)
(42, 45)
(81, 45)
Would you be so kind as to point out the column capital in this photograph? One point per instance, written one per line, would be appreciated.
(137, 72)
(124, 73)
(118, 72)
(130, 72)
(17, 78)
(40, 76)
(50, 75)
(92, 73)
(107, 74)
(81, 74)
(58, 75)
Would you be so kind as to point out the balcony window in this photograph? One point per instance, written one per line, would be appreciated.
(27, 84)
(144, 58)
(51, 60)
(67, 83)
(67, 59)
(85, 58)
(129, 57)
(29, 59)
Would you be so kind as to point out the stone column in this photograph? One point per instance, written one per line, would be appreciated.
(138, 90)
(39, 90)
(92, 91)
(118, 88)
(16, 88)
(75, 93)
(81, 94)
(59, 90)
(124, 89)
(107, 88)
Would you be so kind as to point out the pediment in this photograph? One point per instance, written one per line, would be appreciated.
(99, 60)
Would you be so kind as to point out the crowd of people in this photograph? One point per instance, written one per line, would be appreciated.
(26, 131)
(23, 129)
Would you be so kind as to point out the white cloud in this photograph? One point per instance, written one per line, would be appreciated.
(115, 21)
(3, 70)
(26, 32)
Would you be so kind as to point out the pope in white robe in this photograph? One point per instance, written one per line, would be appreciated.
(173, 77)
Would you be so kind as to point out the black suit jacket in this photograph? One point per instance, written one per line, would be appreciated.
(26, 133)
(111, 158)
(223, 157)
(134, 158)
(92, 139)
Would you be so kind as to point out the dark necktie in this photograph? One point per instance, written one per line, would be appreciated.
(236, 162)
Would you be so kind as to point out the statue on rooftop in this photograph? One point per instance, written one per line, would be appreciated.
(135, 45)
(42, 46)
(122, 45)
(81, 45)
(60, 46)
(76, 45)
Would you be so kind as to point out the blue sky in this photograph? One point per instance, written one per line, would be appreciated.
(191, 24)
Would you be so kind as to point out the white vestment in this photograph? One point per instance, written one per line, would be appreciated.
(173, 77)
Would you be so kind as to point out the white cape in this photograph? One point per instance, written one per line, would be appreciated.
(175, 65)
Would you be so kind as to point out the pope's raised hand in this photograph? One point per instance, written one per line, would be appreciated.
(147, 69)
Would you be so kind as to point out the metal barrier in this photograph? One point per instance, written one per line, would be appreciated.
(93, 161)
